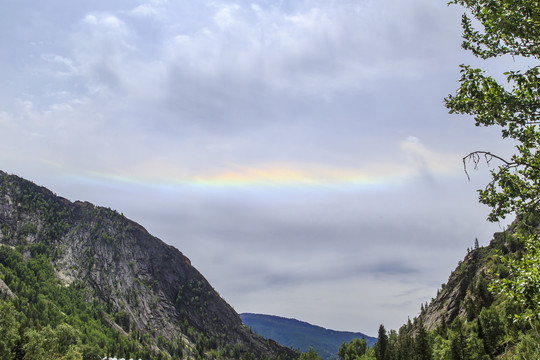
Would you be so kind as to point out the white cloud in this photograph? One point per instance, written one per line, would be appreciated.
(144, 10)
(428, 160)
(66, 65)
(167, 93)
(225, 15)
(90, 19)
(105, 20)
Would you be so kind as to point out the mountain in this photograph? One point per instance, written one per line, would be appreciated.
(302, 335)
(143, 292)
(466, 292)
(468, 318)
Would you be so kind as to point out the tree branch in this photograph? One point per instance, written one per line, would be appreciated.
(475, 157)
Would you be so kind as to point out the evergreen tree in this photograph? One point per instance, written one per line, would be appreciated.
(381, 347)
(422, 344)
(9, 329)
(311, 354)
(405, 343)
(485, 297)
(493, 329)
(458, 340)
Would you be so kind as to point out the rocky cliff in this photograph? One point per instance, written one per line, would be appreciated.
(466, 291)
(150, 289)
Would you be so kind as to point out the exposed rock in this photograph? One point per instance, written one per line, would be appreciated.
(5, 291)
(151, 285)
(463, 284)
(447, 305)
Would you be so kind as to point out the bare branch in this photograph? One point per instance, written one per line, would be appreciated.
(475, 157)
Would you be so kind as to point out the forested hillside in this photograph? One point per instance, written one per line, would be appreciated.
(467, 320)
(80, 281)
(301, 335)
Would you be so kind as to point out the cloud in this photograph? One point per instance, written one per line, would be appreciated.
(144, 10)
(393, 268)
(270, 142)
(65, 63)
(427, 160)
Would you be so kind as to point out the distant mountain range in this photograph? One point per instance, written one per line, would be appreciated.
(301, 335)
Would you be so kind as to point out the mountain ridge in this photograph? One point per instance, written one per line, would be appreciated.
(302, 335)
(147, 286)
(470, 318)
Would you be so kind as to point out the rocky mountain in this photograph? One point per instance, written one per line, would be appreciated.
(468, 319)
(149, 291)
(302, 335)
(466, 291)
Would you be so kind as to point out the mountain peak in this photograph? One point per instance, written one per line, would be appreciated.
(147, 286)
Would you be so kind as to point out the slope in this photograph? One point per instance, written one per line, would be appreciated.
(149, 291)
(301, 335)
(468, 319)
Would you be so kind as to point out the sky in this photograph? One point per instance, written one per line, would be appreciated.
(298, 152)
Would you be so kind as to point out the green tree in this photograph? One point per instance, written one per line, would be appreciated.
(507, 28)
(523, 283)
(91, 352)
(458, 340)
(510, 27)
(423, 349)
(405, 342)
(65, 338)
(72, 353)
(493, 328)
(310, 355)
(34, 347)
(475, 347)
(381, 347)
(8, 329)
(441, 348)
(59, 343)
(353, 349)
(527, 347)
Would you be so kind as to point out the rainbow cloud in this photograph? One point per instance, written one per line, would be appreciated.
(290, 175)
(414, 159)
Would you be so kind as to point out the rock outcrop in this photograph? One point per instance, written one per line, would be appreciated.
(466, 291)
(149, 286)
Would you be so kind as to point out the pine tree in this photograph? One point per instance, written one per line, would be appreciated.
(458, 340)
(381, 347)
(493, 329)
(8, 329)
(422, 344)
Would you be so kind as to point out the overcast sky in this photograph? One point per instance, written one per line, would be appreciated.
(298, 152)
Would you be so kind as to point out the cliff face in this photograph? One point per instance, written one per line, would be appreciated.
(466, 291)
(149, 287)
(449, 302)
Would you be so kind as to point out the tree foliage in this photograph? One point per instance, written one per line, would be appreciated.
(381, 347)
(311, 354)
(507, 28)
(353, 349)
(522, 285)
(8, 329)
(48, 320)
